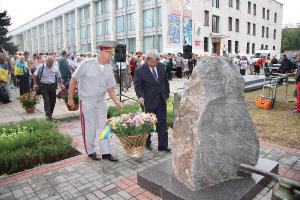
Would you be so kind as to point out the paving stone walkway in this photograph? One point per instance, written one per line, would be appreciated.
(81, 178)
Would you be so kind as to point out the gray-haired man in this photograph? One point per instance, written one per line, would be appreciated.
(153, 89)
(48, 74)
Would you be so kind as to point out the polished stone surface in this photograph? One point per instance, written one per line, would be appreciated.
(159, 180)
(213, 132)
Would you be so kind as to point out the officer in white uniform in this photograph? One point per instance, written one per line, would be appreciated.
(95, 77)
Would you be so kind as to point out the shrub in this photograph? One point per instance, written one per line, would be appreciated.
(29, 100)
(32, 143)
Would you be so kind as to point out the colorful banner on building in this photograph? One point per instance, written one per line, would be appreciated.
(174, 29)
(187, 8)
(187, 31)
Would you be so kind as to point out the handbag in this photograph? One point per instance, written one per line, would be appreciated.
(39, 77)
(264, 103)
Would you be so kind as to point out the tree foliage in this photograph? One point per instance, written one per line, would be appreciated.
(290, 39)
(5, 41)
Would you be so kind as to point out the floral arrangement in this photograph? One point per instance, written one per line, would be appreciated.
(133, 124)
(29, 100)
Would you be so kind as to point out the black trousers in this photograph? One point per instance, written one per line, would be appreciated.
(24, 84)
(49, 95)
(161, 126)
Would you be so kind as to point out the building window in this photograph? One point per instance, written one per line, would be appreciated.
(98, 28)
(248, 28)
(230, 3)
(119, 4)
(236, 46)
(206, 18)
(84, 14)
(120, 24)
(82, 32)
(131, 2)
(253, 48)
(274, 34)
(148, 18)
(262, 47)
(254, 9)
(98, 8)
(237, 25)
(267, 32)
(131, 44)
(248, 48)
(267, 47)
(160, 44)
(262, 31)
(275, 17)
(206, 44)
(237, 4)
(268, 14)
(102, 7)
(106, 27)
(159, 16)
(148, 43)
(274, 48)
(215, 24)
(264, 13)
(254, 29)
(249, 7)
(215, 3)
(229, 46)
(131, 22)
(229, 23)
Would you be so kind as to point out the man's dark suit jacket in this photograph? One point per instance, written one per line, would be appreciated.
(153, 93)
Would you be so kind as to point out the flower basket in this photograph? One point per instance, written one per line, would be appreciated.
(132, 129)
(134, 146)
(30, 110)
(29, 101)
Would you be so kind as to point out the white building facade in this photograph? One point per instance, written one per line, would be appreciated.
(210, 26)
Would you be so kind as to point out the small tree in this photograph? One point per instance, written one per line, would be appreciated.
(5, 41)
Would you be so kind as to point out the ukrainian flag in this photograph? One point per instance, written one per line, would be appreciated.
(105, 133)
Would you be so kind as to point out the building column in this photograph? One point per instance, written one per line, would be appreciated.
(77, 29)
(46, 37)
(38, 39)
(113, 20)
(54, 35)
(32, 42)
(65, 34)
(93, 27)
(139, 26)
(24, 41)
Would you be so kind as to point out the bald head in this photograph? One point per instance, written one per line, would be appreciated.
(49, 61)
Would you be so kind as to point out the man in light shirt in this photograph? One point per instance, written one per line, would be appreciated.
(95, 78)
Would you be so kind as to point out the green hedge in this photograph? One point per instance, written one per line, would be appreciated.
(135, 107)
(31, 143)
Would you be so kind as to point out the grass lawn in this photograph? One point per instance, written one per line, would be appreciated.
(278, 125)
(32, 143)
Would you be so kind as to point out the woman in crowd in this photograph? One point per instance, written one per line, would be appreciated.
(22, 72)
(169, 67)
(5, 95)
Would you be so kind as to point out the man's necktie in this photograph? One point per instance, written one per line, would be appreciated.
(154, 74)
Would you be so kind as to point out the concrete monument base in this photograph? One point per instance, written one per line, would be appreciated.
(159, 181)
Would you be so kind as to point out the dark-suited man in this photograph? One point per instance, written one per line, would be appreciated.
(153, 89)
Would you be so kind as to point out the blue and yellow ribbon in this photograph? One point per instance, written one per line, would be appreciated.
(105, 133)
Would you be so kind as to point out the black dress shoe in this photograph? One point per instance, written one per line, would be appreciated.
(94, 156)
(149, 147)
(166, 149)
(110, 157)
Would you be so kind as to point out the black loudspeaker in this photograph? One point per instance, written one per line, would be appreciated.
(187, 52)
(120, 53)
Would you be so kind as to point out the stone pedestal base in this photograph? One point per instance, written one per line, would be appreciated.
(159, 181)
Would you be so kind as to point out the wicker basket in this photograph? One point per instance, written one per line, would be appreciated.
(134, 145)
